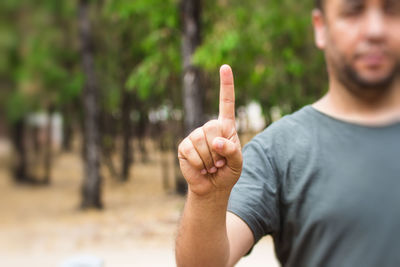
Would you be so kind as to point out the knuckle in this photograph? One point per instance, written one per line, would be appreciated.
(211, 125)
(232, 150)
(227, 100)
(185, 147)
(187, 150)
(197, 136)
(180, 147)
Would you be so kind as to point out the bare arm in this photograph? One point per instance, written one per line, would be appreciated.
(212, 241)
(202, 238)
(211, 162)
(240, 237)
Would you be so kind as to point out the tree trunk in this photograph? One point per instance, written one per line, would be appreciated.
(193, 94)
(127, 151)
(141, 134)
(164, 148)
(180, 183)
(21, 168)
(108, 130)
(164, 161)
(91, 189)
(48, 147)
(67, 129)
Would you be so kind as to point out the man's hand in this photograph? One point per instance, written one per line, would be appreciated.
(210, 157)
(211, 162)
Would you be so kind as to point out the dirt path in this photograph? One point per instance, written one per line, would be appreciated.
(42, 226)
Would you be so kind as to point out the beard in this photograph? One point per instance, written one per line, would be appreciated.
(356, 83)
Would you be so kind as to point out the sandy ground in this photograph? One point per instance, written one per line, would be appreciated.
(42, 226)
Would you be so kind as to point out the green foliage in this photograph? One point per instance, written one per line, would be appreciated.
(143, 56)
(16, 106)
(212, 56)
(270, 46)
(268, 43)
(40, 66)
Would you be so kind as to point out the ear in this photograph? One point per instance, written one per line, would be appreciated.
(319, 24)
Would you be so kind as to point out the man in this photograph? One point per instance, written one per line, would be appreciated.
(324, 181)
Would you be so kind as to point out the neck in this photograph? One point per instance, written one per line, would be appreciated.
(367, 108)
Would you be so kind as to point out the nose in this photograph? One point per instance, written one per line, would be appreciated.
(375, 25)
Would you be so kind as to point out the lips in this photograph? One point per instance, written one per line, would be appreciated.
(372, 59)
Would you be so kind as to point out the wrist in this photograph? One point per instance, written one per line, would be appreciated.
(216, 201)
(202, 208)
(216, 196)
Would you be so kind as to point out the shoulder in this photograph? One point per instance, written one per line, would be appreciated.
(290, 139)
(296, 127)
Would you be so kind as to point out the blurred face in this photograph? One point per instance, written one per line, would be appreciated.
(361, 39)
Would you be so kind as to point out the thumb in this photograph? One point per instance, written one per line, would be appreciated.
(229, 150)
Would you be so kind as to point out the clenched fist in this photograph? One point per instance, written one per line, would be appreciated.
(210, 157)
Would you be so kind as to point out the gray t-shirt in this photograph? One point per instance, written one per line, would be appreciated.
(327, 191)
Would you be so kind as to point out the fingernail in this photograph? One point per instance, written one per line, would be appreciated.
(225, 68)
(213, 170)
(203, 172)
(220, 163)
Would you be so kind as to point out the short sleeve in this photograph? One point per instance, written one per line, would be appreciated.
(254, 198)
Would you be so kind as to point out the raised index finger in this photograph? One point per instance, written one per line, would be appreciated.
(226, 94)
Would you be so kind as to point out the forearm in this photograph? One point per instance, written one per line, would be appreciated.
(202, 238)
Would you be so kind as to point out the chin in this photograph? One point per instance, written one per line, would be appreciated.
(372, 79)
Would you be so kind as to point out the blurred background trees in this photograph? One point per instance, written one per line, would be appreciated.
(120, 72)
